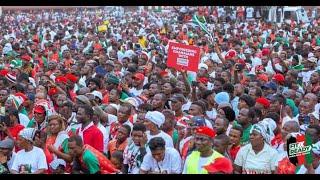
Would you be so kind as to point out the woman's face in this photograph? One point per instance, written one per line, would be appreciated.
(54, 126)
(255, 138)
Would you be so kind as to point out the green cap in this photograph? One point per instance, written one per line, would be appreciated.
(113, 79)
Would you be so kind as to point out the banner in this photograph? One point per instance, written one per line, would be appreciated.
(181, 56)
(299, 148)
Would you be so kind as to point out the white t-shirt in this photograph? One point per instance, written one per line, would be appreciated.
(131, 157)
(167, 138)
(171, 162)
(34, 159)
(262, 163)
(249, 12)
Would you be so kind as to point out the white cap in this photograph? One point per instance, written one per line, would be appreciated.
(312, 59)
(202, 65)
(315, 114)
(156, 117)
(96, 94)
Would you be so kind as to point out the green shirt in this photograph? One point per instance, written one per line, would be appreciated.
(91, 161)
(246, 135)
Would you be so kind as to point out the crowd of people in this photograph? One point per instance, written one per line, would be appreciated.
(88, 91)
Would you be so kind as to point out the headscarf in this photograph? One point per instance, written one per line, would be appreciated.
(263, 130)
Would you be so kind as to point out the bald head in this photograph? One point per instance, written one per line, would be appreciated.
(289, 127)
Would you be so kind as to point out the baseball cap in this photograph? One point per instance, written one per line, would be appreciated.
(96, 94)
(138, 76)
(270, 85)
(7, 144)
(198, 121)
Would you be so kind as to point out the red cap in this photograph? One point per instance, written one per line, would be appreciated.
(61, 79)
(219, 165)
(265, 52)
(265, 102)
(72, 78)
(39, 109)
(163, 73)
(204, 130)
(52, 91)
(203, 80)
(263, 77)
(24, 97)
(279, 78)
(231, 54)
(26, 58)
(139, 76)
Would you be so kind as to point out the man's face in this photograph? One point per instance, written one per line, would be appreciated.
(243, 116)
(81, 116)
(74, 149)
(287, 129)
(202, 143)
(235, 136)
(122, 134)
(176, 105)
(137, 137)
(194, 110)
(3, 96)
(217, 85)
(158, 154)
(219, 126)
(252, 93)
(157, 101)
(304, 108)
(65, 111)
(314, 78)
(92, 86)
(219, 146)
(85, 70)
(153, 89)
(123, 114)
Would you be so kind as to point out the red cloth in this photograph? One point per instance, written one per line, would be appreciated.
(106, 167)
(94, 137)
(219, 165)
(277, 140)
(233, 151)
(286, 167)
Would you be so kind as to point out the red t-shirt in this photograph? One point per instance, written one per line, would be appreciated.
(94, 137)
(234, 151)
